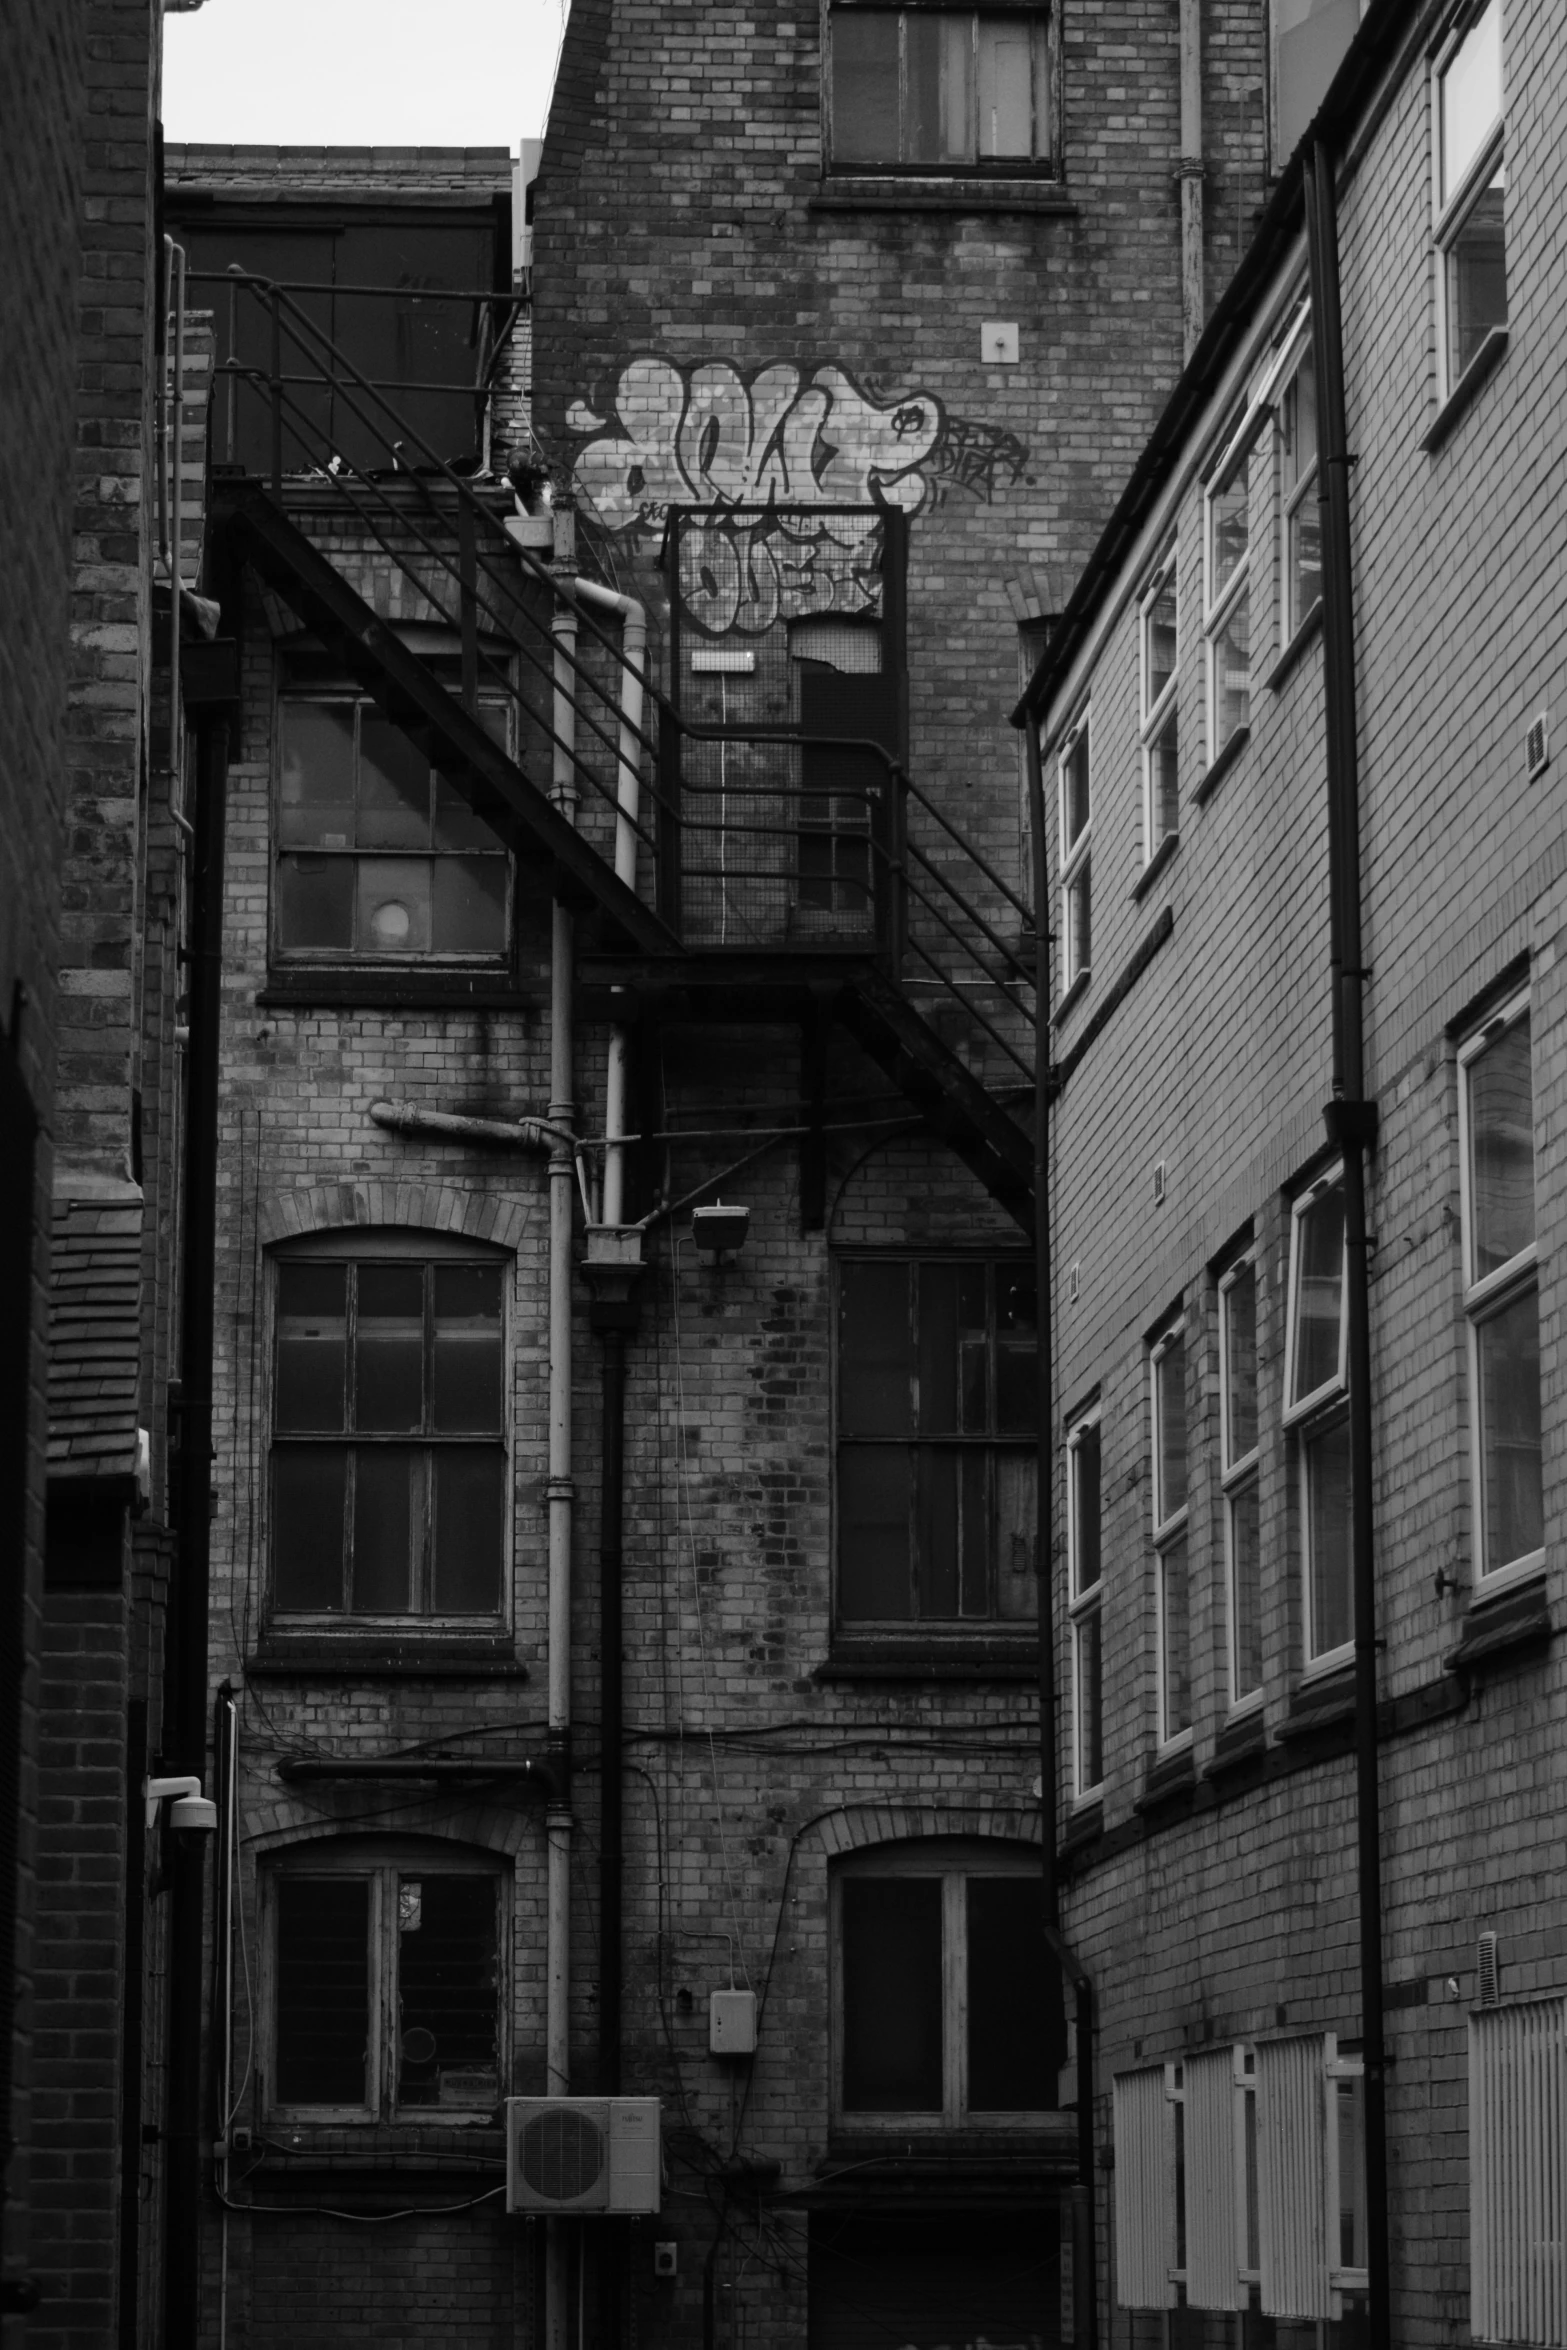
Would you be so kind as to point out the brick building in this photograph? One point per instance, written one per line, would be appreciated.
(1305, 854)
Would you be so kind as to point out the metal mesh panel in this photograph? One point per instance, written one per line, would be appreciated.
(1144, 2191)
(1518, 2173)
(1292, 2178)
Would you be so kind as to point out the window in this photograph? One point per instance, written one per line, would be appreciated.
(1167, 1382)
(1471, 192)
(384, 1973)
(1076, 813)
(1238, 1460)
(941, 1959)
(934, 89)
(1084, 1596)
(1160, 718)
(379, 861)
(1227, 588)
(1314, 1405)
(1302, 517)
(388, 1467)
(1517, 2182)
(937, 1442)
(1496, 1128)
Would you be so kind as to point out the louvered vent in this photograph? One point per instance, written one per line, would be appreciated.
(1292, 2178)
(1212, 2249)
(1488, 1968)
(1144, 2191)
(1538, 745)
(1518, 2173)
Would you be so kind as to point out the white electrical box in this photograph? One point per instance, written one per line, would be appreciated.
(998, 342)
(731, 2023)
(582, 2154)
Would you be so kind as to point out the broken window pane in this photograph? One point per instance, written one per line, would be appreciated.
(448, 1992)
(892, 2058)
(1010, 1978)
(323, 1990)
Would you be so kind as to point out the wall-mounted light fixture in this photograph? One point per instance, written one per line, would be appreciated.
(719, 1230)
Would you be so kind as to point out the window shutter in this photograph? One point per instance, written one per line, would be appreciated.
(1144, 2190)
(1292, 2178)
(1518, 2173)
(1212, 2169)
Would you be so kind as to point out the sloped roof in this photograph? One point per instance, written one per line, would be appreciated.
(95, 1333)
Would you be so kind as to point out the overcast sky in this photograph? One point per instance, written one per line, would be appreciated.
(395, 73)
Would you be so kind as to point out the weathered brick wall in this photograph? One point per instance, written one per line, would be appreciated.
(1233, 1912)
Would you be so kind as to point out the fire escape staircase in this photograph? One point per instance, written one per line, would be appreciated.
(631, 947)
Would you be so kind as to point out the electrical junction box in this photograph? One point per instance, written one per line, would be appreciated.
(998, 342)
(583, 2154)
(731, 2023)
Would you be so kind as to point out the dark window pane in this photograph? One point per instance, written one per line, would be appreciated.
(316, 786)
(467, 1347)
(1327, 1534)
(312, 1334)
(389, 1347)
(973, 1352)
(1017, 1351)
(938, 1349)
(873, 1533)
(1477, 276)
(1240, 1366)
(1319, 1292)
(939, 63)
(936, 1532)
(470, 1483)
(468, 910)
(1501, 1151)
(309, 1489)
(323, 1990)
(1085, 1509)
(1164, 783)
(1090, 1718)
(1175, 1636)
(1245, 1536)
(394, 787)
(385, 1521)
(892, 1995)
(875, 1366)
(974, 1528)
(1170, 1435)
(393, 906)
(456, 825)
(1011, 1987)
(864, 86)
(1507, 1348)
(315, 903)
(1076, 805)
(447, 1991)
(1016, 1477)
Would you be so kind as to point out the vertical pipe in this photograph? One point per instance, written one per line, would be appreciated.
(1190, 172)
(132, 2079)
(1351, 1122)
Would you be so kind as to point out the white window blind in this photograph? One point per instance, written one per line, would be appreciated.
(1145, 2246)
(1292, 2178)
(1518, 2173)
(1213, 2180)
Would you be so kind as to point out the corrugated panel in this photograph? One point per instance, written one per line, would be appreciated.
(1212, 2248)
(1292, 2178)
(95, 1335)
(1144, 2191)
(1518, 2173)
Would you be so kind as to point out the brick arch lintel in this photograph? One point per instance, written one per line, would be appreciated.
(860, 1827)
(429, 1207)
(294, 1823)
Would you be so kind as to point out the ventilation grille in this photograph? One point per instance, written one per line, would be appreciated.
(1144, 2191)
(1537, 743)
(1518, 2173)
(561, 2153)
(1291, 2178)
(1488, 1968)
(1213, 2255)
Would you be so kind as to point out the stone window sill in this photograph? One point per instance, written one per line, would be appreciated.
(1497, 1630)
(436, 991)
(1221, 766)
(1156, 864)
(912, 192)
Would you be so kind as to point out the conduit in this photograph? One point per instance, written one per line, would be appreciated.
(1189, 171)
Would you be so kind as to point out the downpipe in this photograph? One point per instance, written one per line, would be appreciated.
(1351, 1121)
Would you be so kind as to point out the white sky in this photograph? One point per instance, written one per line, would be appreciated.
(349, 73)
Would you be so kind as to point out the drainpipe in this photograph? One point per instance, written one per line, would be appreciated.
(1351, 1121)
(1087, 2297)
(560, 1490)
(1189, 172)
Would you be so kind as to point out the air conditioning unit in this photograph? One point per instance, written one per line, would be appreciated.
(582, 2154)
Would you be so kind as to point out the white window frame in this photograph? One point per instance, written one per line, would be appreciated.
(1294, 496)
(954, 1861)
(1219, 604)
(1449, 216)
(1497, 1289)
(1169, 1531)
(1084, 1606)
(1076, 850)
(1239, 1472)
(1158, 713)
(1311, 1415)
(381, 1860)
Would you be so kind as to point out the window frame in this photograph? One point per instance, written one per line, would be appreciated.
(954, 1860)
(983, 168)
(392, 1245)
(1169, 1530)
(1294, 496)
(1309, 1418)
(1220, 604)
(293, 691)
(1239, 1472)
(1075, 854)
(1484, 1299)
(1160, 714)
(1085, 1603)
(1450, 214)
(381, 1860)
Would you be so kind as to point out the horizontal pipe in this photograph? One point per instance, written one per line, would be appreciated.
(523, 1134)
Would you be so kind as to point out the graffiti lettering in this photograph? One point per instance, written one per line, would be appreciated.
(979, 458)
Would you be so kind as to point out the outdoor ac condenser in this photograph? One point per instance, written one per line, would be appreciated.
(582, 2154)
